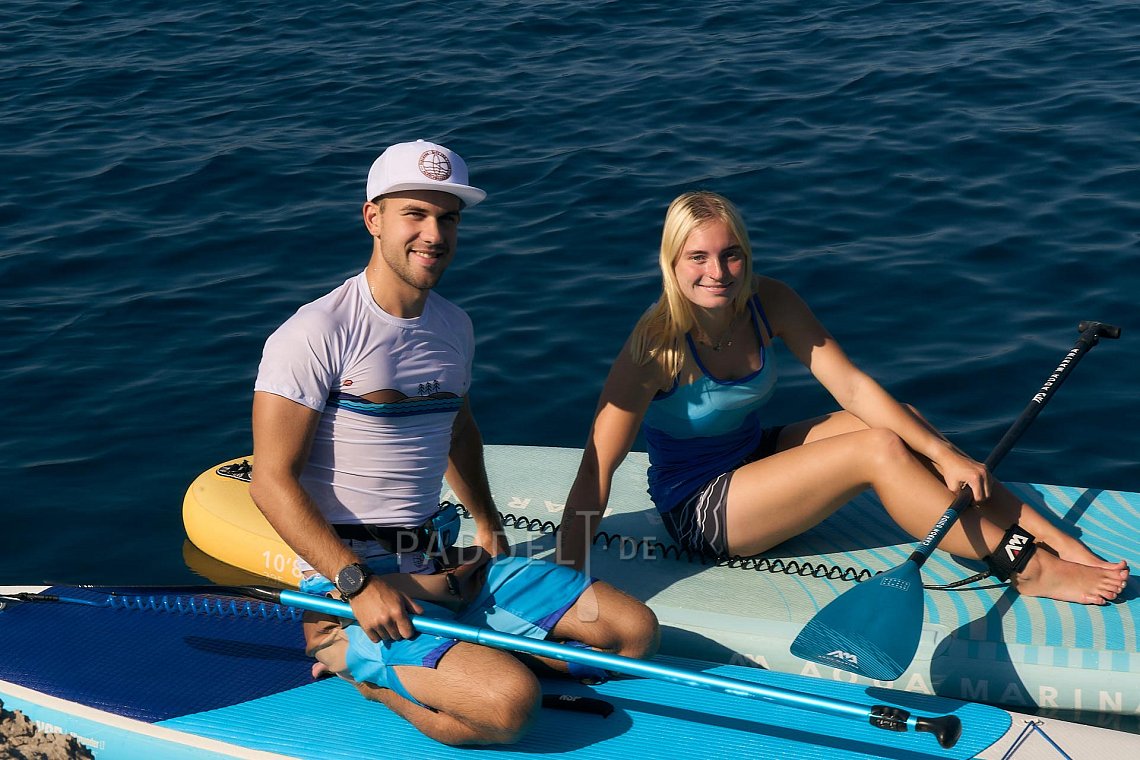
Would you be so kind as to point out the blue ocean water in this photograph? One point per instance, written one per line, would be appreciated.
(951, 185)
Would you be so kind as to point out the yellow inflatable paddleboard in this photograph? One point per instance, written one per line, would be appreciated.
(222, 520)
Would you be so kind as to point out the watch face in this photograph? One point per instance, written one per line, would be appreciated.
(350, 580)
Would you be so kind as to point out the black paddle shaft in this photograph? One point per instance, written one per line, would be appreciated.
(1091, 333)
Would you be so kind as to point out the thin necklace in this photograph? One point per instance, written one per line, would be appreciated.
(725, 339)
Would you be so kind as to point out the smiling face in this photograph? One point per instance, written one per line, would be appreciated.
(416, 233)
(705, 258)
(710, 267)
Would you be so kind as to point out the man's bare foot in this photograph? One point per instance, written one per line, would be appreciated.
(1052, 577)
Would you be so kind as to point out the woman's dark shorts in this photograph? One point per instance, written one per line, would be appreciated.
(698, 523)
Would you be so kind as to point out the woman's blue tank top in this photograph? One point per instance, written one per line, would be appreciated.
(698, 431)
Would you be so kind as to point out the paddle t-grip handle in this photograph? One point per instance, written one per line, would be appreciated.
(1101, 329)
(945, 728)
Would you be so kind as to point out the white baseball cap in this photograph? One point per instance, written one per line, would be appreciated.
(421, 165)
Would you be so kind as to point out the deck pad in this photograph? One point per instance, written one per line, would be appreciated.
(651, 719)
(149, 664)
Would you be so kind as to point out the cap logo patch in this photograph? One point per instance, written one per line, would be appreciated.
(434, 165)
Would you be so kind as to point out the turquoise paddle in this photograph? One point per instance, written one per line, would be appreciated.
(946, 729)
(873, 629)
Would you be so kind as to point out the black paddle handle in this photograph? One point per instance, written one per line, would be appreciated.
(1091, 333)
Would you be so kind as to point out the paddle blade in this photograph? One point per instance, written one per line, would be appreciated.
(873, 629)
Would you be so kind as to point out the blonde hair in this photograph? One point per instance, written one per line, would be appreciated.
(659, 334)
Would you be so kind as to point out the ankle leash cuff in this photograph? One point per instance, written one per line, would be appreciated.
(1013, 553)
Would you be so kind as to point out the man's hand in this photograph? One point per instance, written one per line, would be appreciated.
(467, 568)
(383, 612)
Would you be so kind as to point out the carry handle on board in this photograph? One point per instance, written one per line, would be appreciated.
(946, 729)
(873, 629)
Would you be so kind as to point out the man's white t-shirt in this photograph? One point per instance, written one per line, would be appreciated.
(376, 463)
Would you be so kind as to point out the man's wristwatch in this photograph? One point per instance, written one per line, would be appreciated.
(351, 580)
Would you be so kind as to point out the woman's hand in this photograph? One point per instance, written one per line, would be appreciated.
(959, 470)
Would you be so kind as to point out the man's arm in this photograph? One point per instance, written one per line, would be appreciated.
(467, 476)
(282, 438)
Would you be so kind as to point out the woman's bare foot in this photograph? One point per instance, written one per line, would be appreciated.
(1071, 550)
(1052, 577)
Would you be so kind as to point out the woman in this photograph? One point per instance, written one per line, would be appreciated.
(694, 374)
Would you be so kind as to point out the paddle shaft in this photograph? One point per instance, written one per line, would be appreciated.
(1091, 333)
(945, 728)
(487, 637)
(616, 663)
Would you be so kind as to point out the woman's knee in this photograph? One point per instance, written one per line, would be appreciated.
(884, 447)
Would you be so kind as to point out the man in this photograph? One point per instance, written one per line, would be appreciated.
(360, 409)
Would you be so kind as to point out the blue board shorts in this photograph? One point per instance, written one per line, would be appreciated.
(521, 596)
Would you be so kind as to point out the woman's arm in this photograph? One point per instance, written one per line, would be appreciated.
(857, 392)
(628, 390)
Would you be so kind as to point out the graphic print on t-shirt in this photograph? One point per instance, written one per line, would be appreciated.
(399, 405)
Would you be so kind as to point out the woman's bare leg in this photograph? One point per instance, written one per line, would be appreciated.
(774, 499)
(1003, 507)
